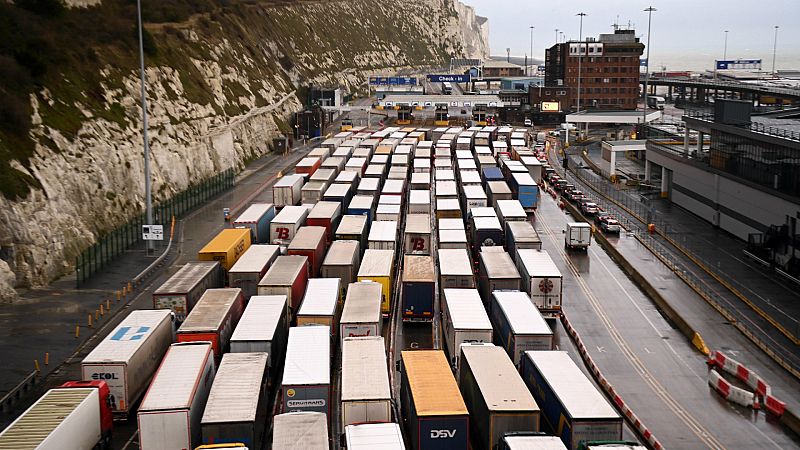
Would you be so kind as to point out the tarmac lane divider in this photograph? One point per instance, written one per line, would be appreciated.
(619, 403)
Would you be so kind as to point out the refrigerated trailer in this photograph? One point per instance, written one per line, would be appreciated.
(366, 396)
(464, 321)
(183, 289)
(170, 414)
(304, 430)
(519, 324)
(264, 327)
(419, 288)
(572, 407)
(213, 319)
(252, 267)
(128, 357)
(306, 382)
(435, 415)
(236, 411)
(495, 395)
(287, 276)
(227, 247)
(257, 218)
(361, 315)
(75, 415)
(541, 279)
(521, 235)
(383, 235)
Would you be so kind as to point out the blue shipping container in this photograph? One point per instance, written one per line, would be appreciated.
(257, 217)
(529, 196)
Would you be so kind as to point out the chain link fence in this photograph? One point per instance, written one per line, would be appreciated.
(129, 235)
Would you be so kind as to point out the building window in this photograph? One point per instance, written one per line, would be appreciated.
(606, 80)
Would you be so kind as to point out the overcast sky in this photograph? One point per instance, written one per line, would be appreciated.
(686, 34)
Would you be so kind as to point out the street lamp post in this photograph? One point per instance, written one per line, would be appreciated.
(147, 189)
(725, 49)
(774, 49)
(508, 54)
(649, 11)
(556, 30)
(580, 58)
(532, 27)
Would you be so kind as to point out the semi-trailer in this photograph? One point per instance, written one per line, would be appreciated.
(213, 319)
(378, 266)
(183, 289)
(521, 235)
(306, 382)
(286, 191)
(288, 276)
(365, 395)
(541, 279)
(305, 430)
(572, 407)
(264, 327)
(369, 436)
(286, 223)
(455, 269)
(495, 395)
(519, 324)
(75, 415)
(327, 215)
(435, 415)
(464, 320)
(530, 441)
(226, 247)
(309, 241)
(419, 288)
(321, 304)
(342, 262)
(417, 234)
(128, 357)
(170, 414)
(361, 315)
(256, 217)
(236, 410)
(354, 228)
(497, 273)
(252, 267)
(383, 235)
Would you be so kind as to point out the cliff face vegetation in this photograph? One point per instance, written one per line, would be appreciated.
(223, 79)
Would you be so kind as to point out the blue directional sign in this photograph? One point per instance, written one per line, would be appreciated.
(393, 81)
(642, 62)
(727, 64)
(448, 78)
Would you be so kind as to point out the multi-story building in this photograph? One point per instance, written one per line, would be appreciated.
(497, 69)
(609, 70)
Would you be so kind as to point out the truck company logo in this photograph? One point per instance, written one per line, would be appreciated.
(443, 434)
(283, 233)
(130, 333)
(104, 376)
(290, 392)
(319, 403)
(546, 286)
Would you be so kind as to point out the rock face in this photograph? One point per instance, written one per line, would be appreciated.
(221, 87)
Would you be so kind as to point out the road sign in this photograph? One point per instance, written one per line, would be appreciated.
(153, 232)
(728, 64)
(448, 78)
(393, 81)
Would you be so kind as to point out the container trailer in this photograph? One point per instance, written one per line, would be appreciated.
(286, 223)
(578, 235)
(453, 239)
(257, 218)
(519, 324)
(339, 192)
(365, 394)
(226, 247)
(510, 211)
(287, 276)
(362, 205)
(306, 382)
(419, 288)
(498, 190)
(383, 235)
(170, 414)
(419, 201)
(213, 319)
(252, 267)
(530, 441)
(183, 289)
(541, 279)
(464, 320)
(264, 328)
(127, 358)
(307, 165)
(312, 192)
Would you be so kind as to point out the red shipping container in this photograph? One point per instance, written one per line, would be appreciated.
(309, 242)
(213, 319)
(308, 166)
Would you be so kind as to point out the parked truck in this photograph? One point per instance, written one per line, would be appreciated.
(257, 218)
(327, 215)
(519, 324)
(464, 320)
(182, 290)
(321, 304)
(578, 235)
(365, 395)
(541, 279)
(227, 247)
(252, 267)
(572, 407)
(213, 319)
(306, 382)
(309, 241)
(288, 276)
(306, 430)
(75, 415)
(264, 328)
(521, 235)
(366, 436)
(361, 315)
(236, 411)
(286, 191)
(419, 288)
(128, 357)
(435, 415)
(495, 395)
(417, 234)
(497, 272)
(455, 269)
(354, 228)
(285, 225)
(378, 266)
(169, 416)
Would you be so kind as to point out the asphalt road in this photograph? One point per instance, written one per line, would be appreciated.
(652, 366)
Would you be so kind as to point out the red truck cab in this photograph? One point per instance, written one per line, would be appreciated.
(106, 417)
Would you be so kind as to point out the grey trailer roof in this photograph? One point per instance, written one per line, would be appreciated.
(322, 296)
(419, 268)
(260, 318)
(365, 375)
(234, 396)
(340, 253)
(352, 224)
(255, 258)
(324, 210)
(284, 270)
(578, 395)
(474, 191)
(337, 190)
(522, 314)
(300, 431)
(369, 184)
(308, 356)
(534, 443)
(499, 265)
(446, 188)
(498, 187)
(363, 303)
(288, 181)
(419, 196)
(253, 213)
(470, 176)
(307, 238)
(523, 231)
(482, 211)
(211, 310)
(187, 277)
(538, 263)
(454, 261)
(498, 380)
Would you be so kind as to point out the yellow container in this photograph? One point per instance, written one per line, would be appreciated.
(226, 247)
(376, 265)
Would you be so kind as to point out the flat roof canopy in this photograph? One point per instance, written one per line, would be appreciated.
(626, 117)
(456, 101)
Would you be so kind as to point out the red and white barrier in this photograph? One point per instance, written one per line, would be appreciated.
(732, 393)
(620, 404)
(759, 385)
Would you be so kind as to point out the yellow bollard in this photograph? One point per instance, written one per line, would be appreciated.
(130, 287)
(96, 314)
(102, 309)
(119, 295)
(36, 364)
(77, 331)
(108, 305)
(47, 358)
(90, 320)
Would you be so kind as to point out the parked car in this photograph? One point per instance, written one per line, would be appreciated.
(574, 195)
(607, 223)
(589, 208)
(559, 185)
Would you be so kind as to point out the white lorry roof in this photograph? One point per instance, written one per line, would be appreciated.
(364, 372)
(522, 314)
(234, 395)
(308, 356)
(454, 261)
(253, 213)
(260, 318)
(498, 380)
(176, 379)
(322, 296)
(374, 436)
(466, 309)
(538, 263)
(383, 231)
(255, 257)
(376, 263)
(115, 349)
(363, 303)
